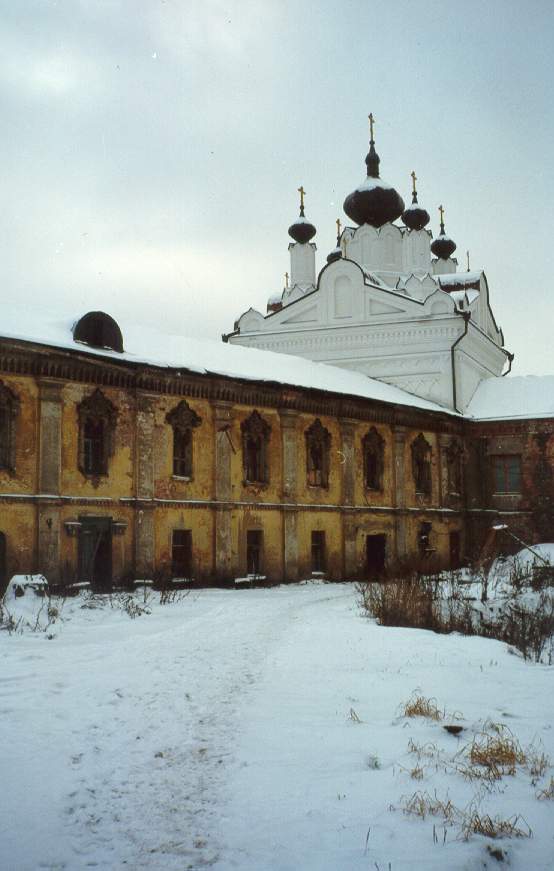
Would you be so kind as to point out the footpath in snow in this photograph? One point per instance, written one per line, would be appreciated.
(254, 730)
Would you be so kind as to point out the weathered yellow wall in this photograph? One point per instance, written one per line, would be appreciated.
(201, 484)
(24, 480)
(18, 523)
(201, 523)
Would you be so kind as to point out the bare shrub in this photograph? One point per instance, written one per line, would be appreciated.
(548, 792)
(494, 827)
(422, 804)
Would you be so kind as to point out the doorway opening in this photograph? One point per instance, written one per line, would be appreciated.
(95, 551)
(375, 555)
(254, 544)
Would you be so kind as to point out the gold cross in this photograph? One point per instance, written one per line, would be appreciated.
(286, 279)
(371, 123)
(339, 225)
(301, 191)
(467, 254)
(414, 179)
(441, 210)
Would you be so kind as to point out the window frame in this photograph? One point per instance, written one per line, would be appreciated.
(183, 420)
(317, 437)
(9, 406)
(255, 438)
(373, 445)
(500, 462)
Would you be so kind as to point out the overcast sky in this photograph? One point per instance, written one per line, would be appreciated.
(152, 149)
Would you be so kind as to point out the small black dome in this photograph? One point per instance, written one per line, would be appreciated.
(443, 246)
(335, 254)
(414, 217)
(99, 330)
(374, 201)
(302, 231)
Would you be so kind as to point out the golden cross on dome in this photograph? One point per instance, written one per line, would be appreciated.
(371, 123)
(286, 279)
(339, 226)
(414, 179)
(441, 210)
(302, 192)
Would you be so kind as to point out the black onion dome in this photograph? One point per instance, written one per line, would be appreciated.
(302, 230)
(374, 201)
(335, 254)
(414, 217)
(443, 246)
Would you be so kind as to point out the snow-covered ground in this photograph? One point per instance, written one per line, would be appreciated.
(256, 729)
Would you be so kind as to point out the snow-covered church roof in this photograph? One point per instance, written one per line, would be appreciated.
(513, 397)
(205, 356)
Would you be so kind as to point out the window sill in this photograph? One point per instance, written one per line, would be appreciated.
(186, 478)
(317, 486)
(259, 484)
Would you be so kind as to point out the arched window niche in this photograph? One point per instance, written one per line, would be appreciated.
(9, 408)
(421, 466)
(97, 421)
(318, 447)
(373, 448)
(255, 441)
(183, 421)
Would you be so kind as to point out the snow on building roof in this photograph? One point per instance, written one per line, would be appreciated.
(513, 397)
(460, 279)
(203, 356)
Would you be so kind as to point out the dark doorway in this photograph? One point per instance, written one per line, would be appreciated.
(181, 553)
(3, 564)
(455, 560)
(375, 552)
(318, 551)
(95, 551)
(254, 540)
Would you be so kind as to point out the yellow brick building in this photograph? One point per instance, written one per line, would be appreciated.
(212, 462)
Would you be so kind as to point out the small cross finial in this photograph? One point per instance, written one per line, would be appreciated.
(286, 279)
(467, 255)
(414, 179)
(441, 211)
(302, 192)
(339, 227)
(371, 123)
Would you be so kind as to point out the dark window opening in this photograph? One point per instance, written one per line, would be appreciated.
(375, 554)
(93, 447)
(421, 466)
(97, 423)
(318, 551)
(373, 454)
(318, 442)
(182, 453)
(254, 542)
(255, 442)
(455, 552)
(9, 406)
(507, 473)
(181, 553)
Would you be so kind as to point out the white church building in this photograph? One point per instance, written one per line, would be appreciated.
(390, 302)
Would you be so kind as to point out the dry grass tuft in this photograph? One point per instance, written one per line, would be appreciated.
(495, 827)
(422, 805)
(419, 706)
(547, 793)
(499, 752)
(537, 763)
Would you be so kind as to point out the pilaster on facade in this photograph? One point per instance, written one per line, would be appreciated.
(289, 422)
(347, 460)
(144, 518)
(444, 444)
(399, 489)
(223, 422)
(49, 476)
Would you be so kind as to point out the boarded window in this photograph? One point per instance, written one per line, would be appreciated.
(181, 553)
(318, 551)
(507, 473)
(254, 543)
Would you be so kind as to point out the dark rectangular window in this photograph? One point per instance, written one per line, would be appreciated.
(182, 453)
(181, 553)
(507, 473)
(254, 542)
(318, 551)
(93, 447)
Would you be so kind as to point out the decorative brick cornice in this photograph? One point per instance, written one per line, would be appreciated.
(74, 366)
